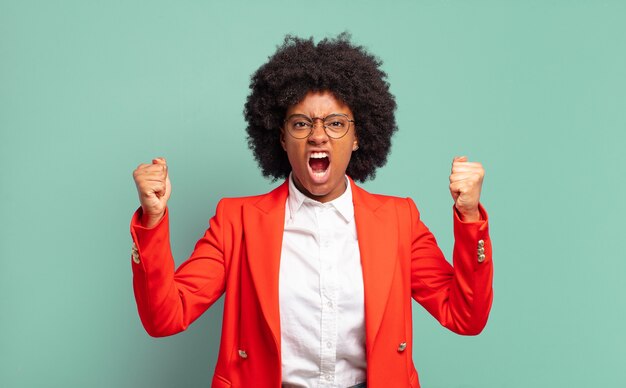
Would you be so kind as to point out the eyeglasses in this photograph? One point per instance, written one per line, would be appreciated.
(336, 125)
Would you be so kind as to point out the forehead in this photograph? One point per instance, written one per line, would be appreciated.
(319, 104)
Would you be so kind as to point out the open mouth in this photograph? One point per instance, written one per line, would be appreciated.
(319, 163)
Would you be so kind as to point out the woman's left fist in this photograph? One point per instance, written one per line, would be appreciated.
(466, 180)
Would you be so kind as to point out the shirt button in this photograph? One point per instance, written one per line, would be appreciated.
(329, 304)
(329, 344)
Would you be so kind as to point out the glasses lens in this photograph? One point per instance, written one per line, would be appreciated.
(336, 125)
(299, 126)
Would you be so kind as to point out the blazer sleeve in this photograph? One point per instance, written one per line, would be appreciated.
(458, 296)
(169, 300)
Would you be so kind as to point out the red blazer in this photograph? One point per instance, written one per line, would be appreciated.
(239, 255)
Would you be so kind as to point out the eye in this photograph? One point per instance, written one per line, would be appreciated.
(336, 122)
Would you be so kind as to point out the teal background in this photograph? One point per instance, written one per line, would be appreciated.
(535, 90)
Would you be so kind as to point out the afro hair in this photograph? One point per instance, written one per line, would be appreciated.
(300, 66)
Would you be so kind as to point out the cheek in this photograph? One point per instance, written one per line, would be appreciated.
(346, 158)
(347, 152)
(294, 154)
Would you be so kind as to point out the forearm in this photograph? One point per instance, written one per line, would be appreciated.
(458, 296)
(169, 301)
(473, 266)
(153, 277)
(471, 293)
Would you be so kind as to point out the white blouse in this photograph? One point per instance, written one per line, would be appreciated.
(322, 315)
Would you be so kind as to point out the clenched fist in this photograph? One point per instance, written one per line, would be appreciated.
(154, 189)
(466, 180)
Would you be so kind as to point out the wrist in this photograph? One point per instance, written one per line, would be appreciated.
(472, 215)
(150, 220)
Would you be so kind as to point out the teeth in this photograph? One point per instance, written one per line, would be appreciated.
(319, 174)
(319, 155)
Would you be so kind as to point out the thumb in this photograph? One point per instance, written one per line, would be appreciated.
(159, 160)
(459, 159)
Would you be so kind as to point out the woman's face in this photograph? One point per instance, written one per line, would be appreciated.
(319, 162)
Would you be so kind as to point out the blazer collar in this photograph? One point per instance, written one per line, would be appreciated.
(343, 204)
(376, 226)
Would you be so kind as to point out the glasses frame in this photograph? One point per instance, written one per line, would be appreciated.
(312, 120)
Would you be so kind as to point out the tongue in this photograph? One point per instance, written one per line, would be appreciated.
(319, 164)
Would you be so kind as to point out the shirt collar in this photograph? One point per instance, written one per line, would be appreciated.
(343, 203)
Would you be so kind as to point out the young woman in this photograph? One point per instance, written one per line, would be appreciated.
(318, 274)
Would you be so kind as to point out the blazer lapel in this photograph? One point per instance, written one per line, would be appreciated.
(263, 223)
(376, 226)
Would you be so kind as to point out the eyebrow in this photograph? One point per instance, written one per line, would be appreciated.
(310, 117)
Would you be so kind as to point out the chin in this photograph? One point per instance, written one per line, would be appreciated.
(322, 192)
(317, 191)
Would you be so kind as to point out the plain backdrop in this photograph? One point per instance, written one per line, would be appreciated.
(535, 90)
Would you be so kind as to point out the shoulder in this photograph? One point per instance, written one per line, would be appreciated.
(276, 196)
(361, 195)
(376, 202)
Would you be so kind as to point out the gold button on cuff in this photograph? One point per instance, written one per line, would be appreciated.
(481, 251)
(481, 258)
(135, 254)
(243, 354)
(481, 243)
(402, 346)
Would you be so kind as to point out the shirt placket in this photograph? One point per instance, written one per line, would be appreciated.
(328, 295)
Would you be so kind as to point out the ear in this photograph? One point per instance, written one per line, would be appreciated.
(355, 144)
(282, 139)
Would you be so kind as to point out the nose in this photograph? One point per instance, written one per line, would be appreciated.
(318, 133)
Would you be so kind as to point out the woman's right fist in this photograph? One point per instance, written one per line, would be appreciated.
(154, 189)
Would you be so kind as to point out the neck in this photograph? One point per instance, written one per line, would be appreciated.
(320, 198)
